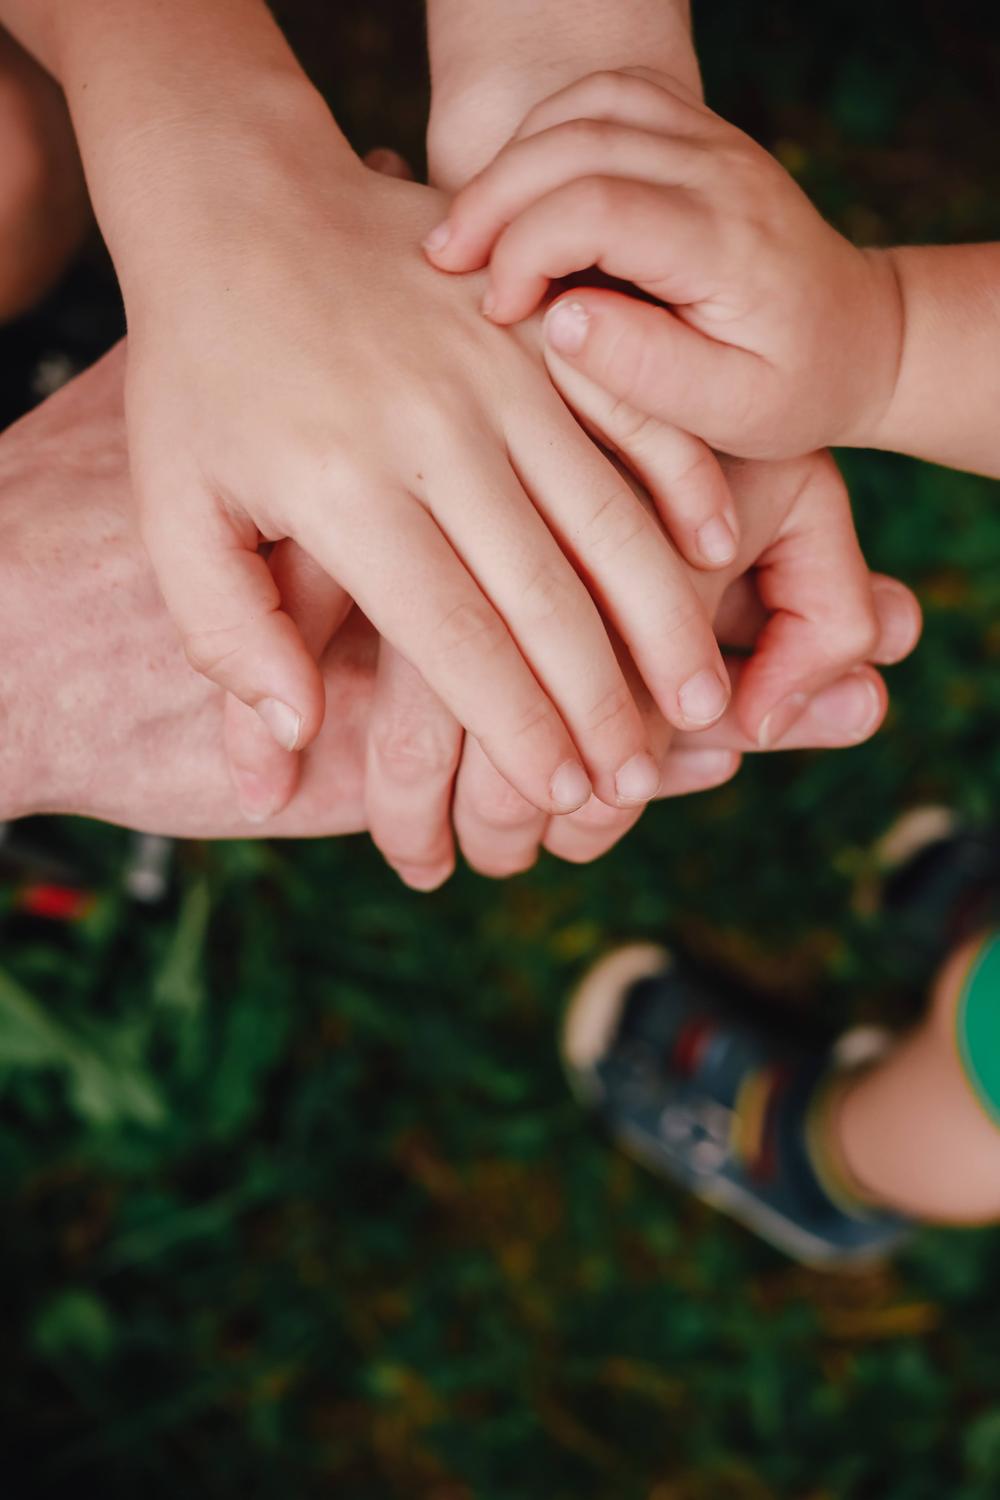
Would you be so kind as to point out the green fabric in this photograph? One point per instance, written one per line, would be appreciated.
(979, 1026)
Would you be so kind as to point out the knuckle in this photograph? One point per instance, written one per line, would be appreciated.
(208, 651)
(856, 638)
(329, 470)
(503, 807)
(697, 465)
(594, 199)
(536, 718)
(442, 414)
(470, 626)
(605, 87)
(629, 428)
(548, 593)
(612, 706)
(410, 752)
(742, 162)
(632, 368)
(587, 136)
(684, 617)
(617, 523)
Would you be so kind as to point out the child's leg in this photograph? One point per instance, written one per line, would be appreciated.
(44, 211)
(920, 1132)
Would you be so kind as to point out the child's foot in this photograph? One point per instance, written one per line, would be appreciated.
(712, 1100)
(940, 883)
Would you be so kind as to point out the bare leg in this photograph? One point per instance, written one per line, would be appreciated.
(912, 1133)
(44, 212)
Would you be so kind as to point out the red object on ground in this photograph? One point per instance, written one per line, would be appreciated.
(57, 903)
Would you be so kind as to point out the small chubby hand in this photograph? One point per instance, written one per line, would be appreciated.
(762, 331)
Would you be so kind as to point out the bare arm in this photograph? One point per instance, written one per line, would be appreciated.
(492, 60)
(166, 101)
(947, 392)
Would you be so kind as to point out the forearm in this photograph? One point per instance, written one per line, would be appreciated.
(174, 107)
(947, 390)
(492, 60)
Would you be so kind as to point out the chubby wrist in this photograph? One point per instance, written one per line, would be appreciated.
(475, 112)
(876, 335)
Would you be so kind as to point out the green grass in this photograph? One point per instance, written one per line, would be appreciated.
(294, 1199)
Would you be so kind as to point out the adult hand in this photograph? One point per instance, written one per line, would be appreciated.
(100, 713)
(408, 790)
(825, 616)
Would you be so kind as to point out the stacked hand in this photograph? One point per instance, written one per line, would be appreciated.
(824, 616)
(103, 717)
(766, 333)
(597, 635)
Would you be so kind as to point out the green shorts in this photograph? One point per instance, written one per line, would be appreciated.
(977, 1025)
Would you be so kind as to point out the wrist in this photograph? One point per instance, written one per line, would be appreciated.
(180, 111)
(481, 93)
(877, 337)
(193, 188)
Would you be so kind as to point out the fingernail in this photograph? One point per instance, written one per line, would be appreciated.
(566, 325)
(256, 797)
(570, 787)
(702, 698)
(895, 608)
(284, 724)
(489, 303)
(716, 541)
(419, 878)
(780, 720)
(438, 237)
(848, 709)
(708, 765)
(638, 780)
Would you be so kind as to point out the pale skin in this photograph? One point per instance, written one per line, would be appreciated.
(771, 333)
(421, 459)
(103, 717)
(488, 63)
(794, 337)
(186, 739)
(150, 79)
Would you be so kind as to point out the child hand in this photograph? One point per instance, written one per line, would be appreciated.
(309, 378)
(771, 334)
(798, 604)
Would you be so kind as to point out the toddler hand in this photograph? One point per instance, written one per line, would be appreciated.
(770, 336)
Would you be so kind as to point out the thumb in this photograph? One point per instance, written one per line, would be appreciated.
(265, 775)
(645, 355)
(228, 609)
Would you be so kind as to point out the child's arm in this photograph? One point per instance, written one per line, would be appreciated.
(945, 405)
(296, 370)
(493, 60)
(773, 335)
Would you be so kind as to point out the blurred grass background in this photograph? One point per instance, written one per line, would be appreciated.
(294, 1200)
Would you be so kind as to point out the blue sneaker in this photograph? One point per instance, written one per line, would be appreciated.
(718, 1104)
